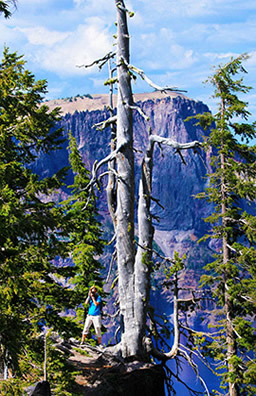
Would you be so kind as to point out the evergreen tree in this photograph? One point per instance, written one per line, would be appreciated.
(36, 233)
(83, 229)
(5, 7)
(232, 190)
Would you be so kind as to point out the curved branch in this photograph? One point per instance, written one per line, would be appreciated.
(172, 143)
(194, 366)
(140, 111)
(191, 391)
(150, 82)
(97, 165)
(104, 124)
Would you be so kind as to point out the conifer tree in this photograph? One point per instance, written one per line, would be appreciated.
(83, 228)
(232, 191)
(36, 233)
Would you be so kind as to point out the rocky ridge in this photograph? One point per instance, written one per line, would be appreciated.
(174, 183)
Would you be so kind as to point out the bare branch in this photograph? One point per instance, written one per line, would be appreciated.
(114, 172)
(116, 332)
(101, 62)
(191, 391)
(114, 315)
(151, 83)
(102, 175)
(169, 142)
(112, 240)
(201, 358)
(210, 335)
(113, 258)
(97, 165)
(157, 201)
(248, 298)
(140, 111)
(195, 368)
(122, 8)
(104, 124)
(181, 156)
(168, 259)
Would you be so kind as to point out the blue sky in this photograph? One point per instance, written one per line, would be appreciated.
(175, 42)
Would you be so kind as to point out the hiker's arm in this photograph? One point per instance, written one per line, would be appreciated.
(87, 300)
(96, 301)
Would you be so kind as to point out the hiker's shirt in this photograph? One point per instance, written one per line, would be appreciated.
(94, 310)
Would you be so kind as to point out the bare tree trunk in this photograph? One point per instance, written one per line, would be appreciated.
(143, 265)
(175, 347)
(125, 187)
(133, 274)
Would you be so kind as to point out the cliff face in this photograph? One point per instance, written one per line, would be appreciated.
(174, 183)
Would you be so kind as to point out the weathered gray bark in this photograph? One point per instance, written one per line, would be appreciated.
(143, 266)
(111, 187)
(133, 271)
(125, 188)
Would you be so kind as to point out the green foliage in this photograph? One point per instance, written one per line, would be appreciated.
(83, 229)
(61, 374)
(39, 238)
(111, 81)
(11, 387)
(5, 7)
(232, 190)
(28, 222)
(178, 265)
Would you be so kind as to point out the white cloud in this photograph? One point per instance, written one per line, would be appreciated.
(87, 43)
(41, 36)
(222, 56)
(169, 38)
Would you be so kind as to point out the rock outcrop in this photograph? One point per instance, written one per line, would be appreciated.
(99, 373)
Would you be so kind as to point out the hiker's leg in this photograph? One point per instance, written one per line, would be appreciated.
(87, 325)
(97, 327)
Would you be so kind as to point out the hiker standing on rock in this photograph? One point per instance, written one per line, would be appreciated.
(94, 314)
